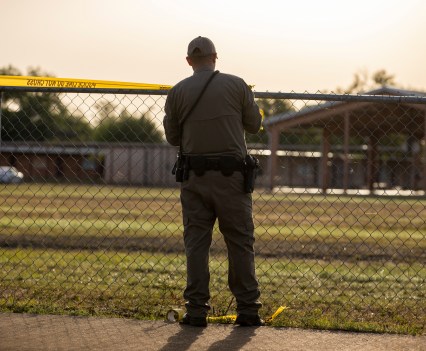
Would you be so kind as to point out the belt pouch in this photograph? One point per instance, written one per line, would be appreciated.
(227, 165)
(198, 164)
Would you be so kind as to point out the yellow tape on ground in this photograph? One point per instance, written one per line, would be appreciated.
(52, 82)
(276, 313)
(231, 318)
(222, 319)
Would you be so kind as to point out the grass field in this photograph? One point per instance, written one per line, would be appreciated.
(351, 263)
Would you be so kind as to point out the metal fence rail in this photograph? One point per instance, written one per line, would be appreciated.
(94, 227)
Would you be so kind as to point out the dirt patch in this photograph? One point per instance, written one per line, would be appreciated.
(313, 249)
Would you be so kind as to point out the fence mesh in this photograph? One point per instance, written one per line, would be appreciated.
(90, 216)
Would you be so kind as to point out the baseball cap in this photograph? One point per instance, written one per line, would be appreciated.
(201, 46)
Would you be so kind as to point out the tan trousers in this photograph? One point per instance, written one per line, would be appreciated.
(204, 199)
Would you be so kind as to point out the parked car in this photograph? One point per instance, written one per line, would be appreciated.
(10, 175)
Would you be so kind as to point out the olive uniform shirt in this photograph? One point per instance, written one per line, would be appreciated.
(216, 125)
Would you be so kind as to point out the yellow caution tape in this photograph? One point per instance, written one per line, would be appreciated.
(222, 319)
(262, 113)
(52, 82)
(231, 318)
(277, 312)
(175, 314)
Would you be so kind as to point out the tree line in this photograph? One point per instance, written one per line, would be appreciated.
(36, 116)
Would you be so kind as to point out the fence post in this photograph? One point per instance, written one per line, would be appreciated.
(411, 156)
(324, 160)
(371, 163)
(346, 153)
(274, 141)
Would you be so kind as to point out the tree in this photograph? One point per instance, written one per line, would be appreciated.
(363, 82)
(270, 107)
(382, 78)
(28, 116)
(125, 127)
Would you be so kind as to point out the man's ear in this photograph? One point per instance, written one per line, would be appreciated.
(189, 60)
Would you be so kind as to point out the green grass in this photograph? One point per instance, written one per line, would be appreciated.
(82, 216)
(85, 191)
(327, 295)
(29, 207)
(337, 262)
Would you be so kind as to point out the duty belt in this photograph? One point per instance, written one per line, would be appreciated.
(227, 165)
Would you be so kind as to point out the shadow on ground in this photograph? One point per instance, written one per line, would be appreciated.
(47, 332)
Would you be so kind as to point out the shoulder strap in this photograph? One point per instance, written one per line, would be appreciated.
(192, 108)
(198, 98)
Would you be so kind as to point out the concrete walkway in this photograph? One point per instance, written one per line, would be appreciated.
(44, 332)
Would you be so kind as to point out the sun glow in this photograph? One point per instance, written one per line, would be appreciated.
(275, 45)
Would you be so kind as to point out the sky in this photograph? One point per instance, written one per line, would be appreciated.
(301, 46)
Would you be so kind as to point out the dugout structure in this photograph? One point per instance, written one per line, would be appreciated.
(366, 121)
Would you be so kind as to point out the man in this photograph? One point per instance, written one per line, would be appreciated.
(214, 148)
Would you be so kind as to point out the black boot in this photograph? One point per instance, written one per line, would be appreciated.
(249, 320)
(194, 321)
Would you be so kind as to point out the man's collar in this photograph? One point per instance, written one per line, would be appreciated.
(203, 69)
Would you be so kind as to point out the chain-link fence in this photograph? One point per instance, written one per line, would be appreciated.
(90, 217)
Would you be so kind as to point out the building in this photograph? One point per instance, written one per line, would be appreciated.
(111, 163)
(347, 153)
(366, 164)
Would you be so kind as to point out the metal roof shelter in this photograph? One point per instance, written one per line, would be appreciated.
(377, 113)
